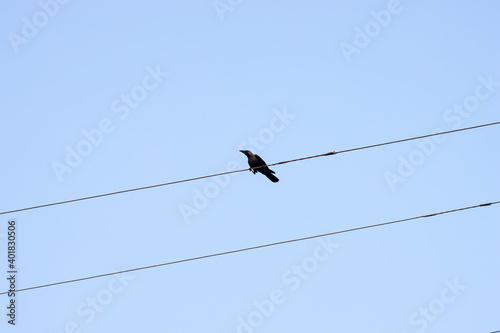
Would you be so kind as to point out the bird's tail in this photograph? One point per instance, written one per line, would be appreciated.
(271, 177)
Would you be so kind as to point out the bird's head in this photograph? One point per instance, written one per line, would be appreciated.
(248, 153)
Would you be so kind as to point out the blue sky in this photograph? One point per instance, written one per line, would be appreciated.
(99, 97)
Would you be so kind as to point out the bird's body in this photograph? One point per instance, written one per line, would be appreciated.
(254, 161)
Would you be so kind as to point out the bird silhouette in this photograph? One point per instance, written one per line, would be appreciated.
(255, 161)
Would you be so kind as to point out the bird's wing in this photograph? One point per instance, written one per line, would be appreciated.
(260, 161)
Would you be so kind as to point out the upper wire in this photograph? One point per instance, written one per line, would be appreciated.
(241, 170)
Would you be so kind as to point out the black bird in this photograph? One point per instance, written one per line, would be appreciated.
(256, 161)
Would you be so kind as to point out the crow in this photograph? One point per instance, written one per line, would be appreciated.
(255, 161)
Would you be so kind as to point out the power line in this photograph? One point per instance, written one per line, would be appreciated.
(256, 247)
(241, 170)
(385, 143)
